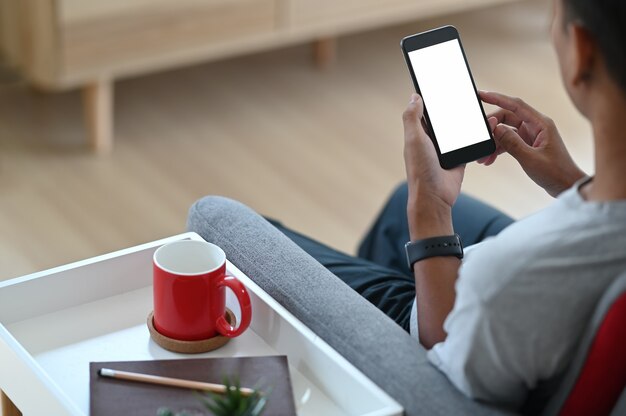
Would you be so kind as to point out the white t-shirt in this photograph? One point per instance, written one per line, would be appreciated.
(525, 296)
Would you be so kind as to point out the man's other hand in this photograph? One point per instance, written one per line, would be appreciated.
(533, 140)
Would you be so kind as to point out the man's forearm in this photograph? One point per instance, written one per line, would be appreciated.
(434, 277)
(434, 287)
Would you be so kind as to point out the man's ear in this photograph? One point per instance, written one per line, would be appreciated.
(584, 54)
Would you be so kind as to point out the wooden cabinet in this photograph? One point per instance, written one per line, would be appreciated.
(122, 36)
(333, 14)
(342, 16)
(60, 44)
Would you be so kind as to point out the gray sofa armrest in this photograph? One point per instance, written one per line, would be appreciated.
(365, 336)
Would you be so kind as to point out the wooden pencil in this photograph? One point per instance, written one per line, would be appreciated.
(169, 381)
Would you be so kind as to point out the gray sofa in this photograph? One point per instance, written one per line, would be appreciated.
(355, 328)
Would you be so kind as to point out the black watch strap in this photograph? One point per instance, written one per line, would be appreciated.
(449, 245)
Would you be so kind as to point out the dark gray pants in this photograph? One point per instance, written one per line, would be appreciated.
(380, 273)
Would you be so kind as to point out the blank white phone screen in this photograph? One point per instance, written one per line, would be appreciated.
(449, 96)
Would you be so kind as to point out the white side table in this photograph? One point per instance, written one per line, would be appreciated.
(53, 323)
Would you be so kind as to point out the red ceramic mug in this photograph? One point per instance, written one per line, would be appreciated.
(189, 292)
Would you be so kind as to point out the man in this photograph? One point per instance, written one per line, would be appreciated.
(508, 317)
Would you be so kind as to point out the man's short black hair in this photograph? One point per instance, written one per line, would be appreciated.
(606, 21)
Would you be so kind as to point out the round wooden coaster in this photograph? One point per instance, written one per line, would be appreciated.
(190, 347)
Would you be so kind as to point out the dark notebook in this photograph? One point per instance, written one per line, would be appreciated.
(120, 397)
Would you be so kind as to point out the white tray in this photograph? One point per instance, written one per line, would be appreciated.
(53, 323)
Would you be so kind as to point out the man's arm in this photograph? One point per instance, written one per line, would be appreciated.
(529, 136)
(432, 192)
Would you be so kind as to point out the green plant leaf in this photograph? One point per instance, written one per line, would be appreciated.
(231, 403)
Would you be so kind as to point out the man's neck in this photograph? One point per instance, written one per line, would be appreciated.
(609, 129)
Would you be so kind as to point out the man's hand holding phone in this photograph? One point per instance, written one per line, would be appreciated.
(432, 189)
(533, 140)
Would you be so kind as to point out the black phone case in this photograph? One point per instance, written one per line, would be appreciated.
(467, 154)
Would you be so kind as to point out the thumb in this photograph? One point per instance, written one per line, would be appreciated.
(511, 142)
(412, 116)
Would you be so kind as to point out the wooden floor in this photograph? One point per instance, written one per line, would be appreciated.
(319, 150)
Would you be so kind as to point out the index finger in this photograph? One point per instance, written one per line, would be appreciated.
(515, 105)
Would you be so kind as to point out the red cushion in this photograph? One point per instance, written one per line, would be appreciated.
(603, 375)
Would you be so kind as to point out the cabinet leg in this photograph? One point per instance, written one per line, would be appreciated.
(324, 52)
(98, 104)
(7, 406)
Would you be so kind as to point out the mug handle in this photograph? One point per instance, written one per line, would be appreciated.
(223, 327)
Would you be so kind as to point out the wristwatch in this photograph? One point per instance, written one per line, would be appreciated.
(449, 245)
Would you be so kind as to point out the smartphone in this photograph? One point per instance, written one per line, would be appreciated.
(453, 113)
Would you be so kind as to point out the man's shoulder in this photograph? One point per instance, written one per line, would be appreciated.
(562, 243)
(547, 271)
